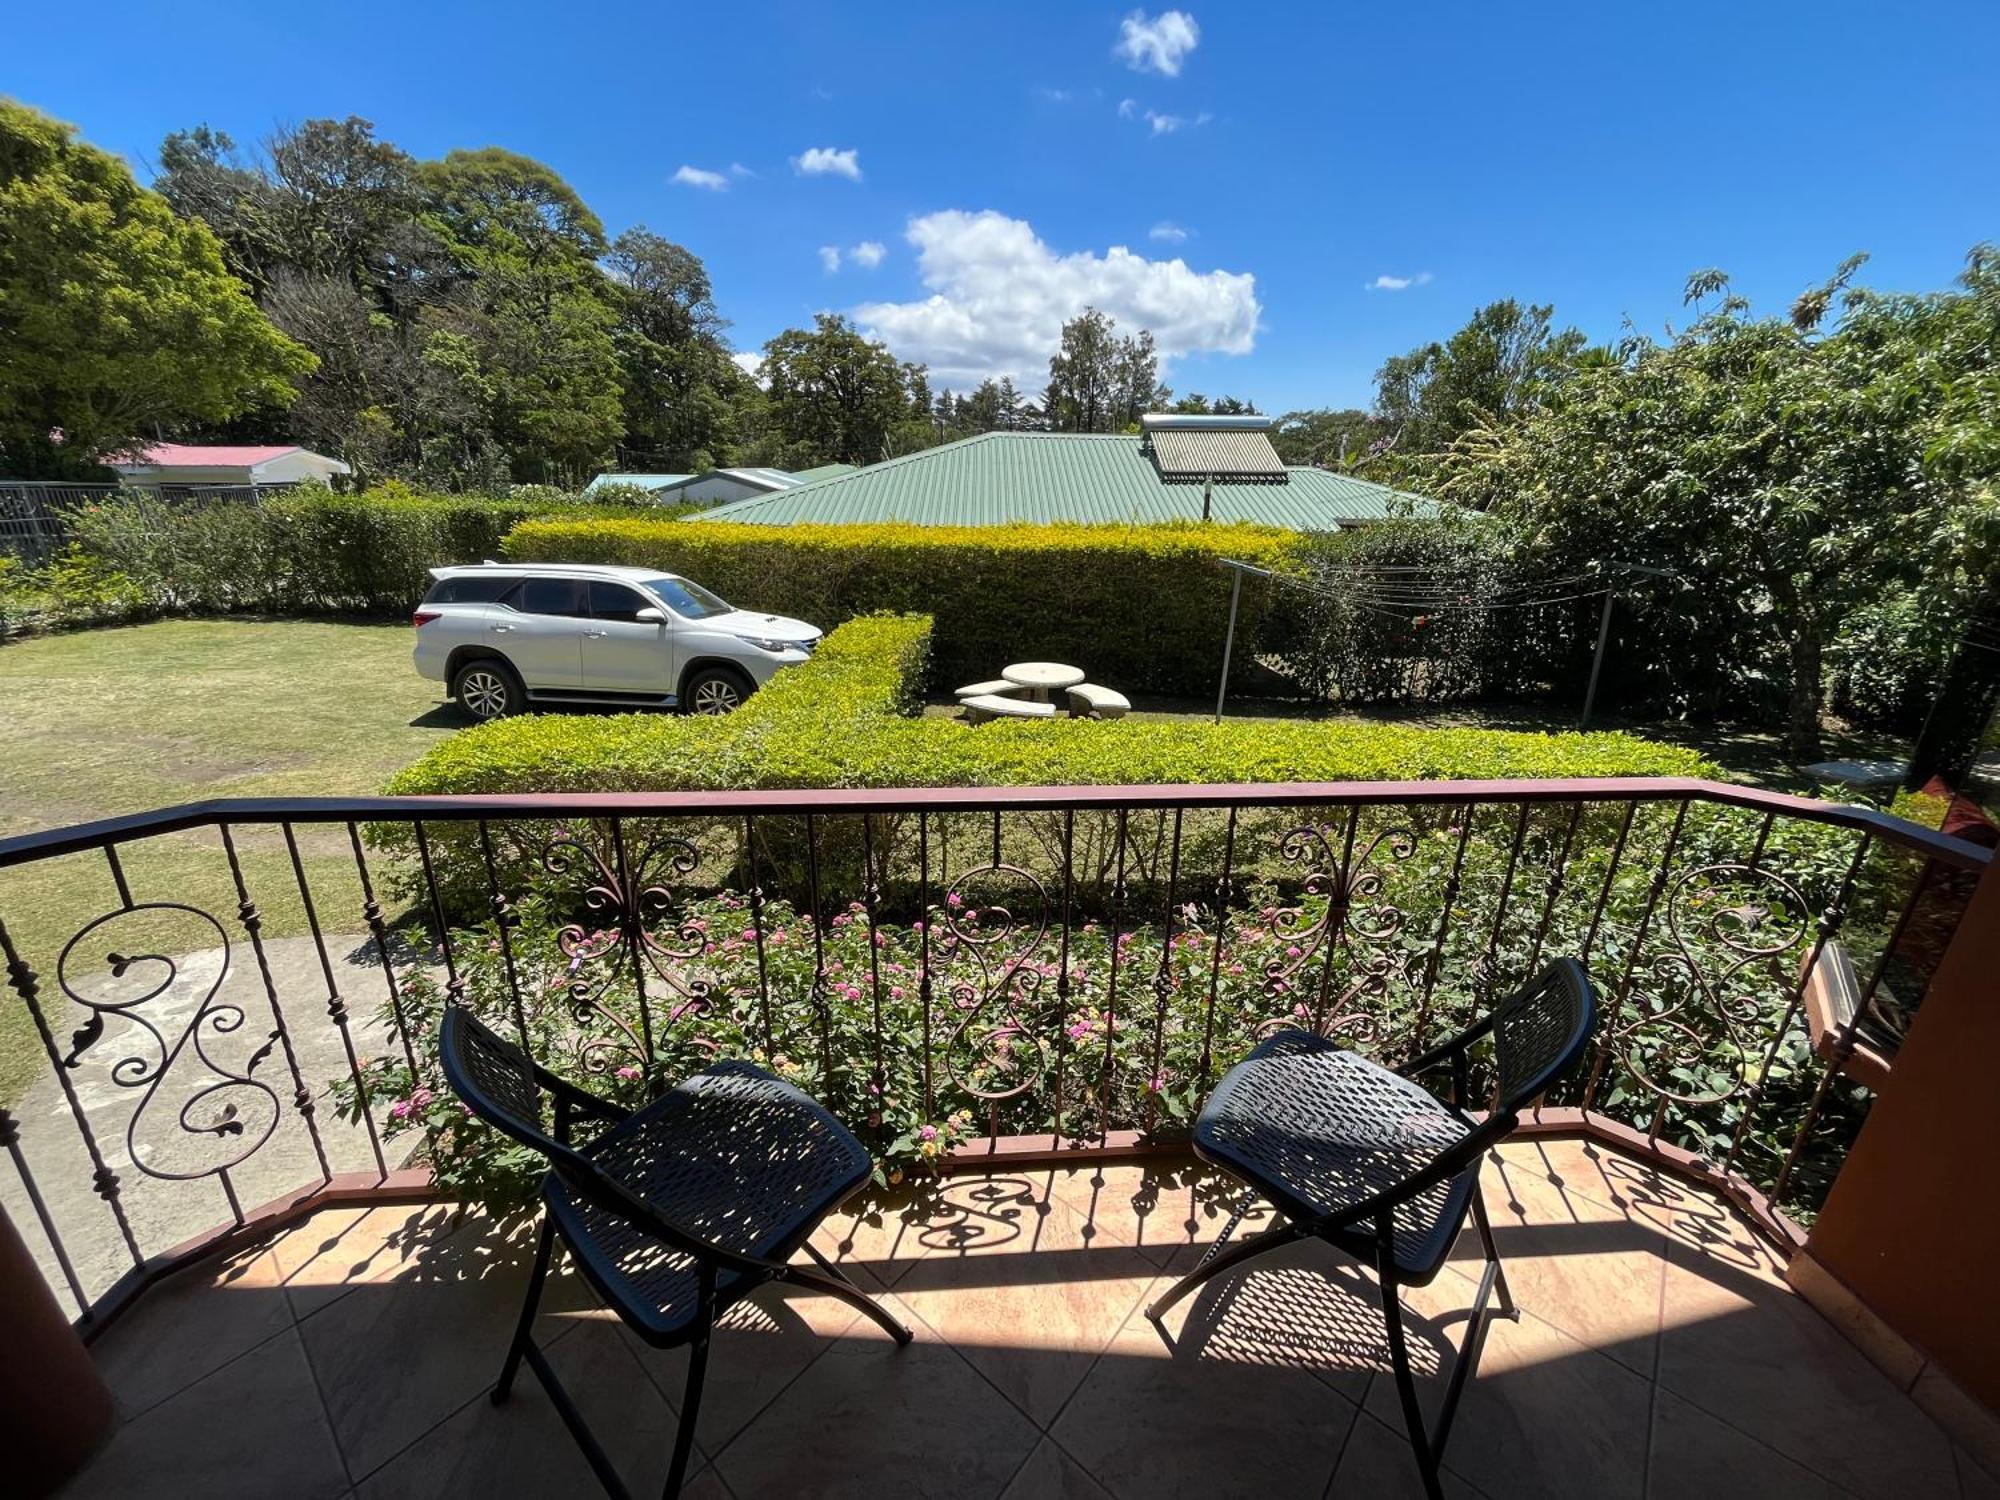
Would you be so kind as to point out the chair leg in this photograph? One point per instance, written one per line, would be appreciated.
(1406, 1385)
(837, 1284)
(1507, 1307)
(690, 1410)
(524, 1330)
(1235, 1255)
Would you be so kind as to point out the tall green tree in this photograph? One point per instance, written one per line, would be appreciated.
(1494, 369)
(679, 383)
(1787, 471)
(118, 319)
(1343, 438)
(1098, 381)
(528, 247)
(834, 396)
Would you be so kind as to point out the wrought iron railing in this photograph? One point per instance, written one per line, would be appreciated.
(37, 518)
(233, 1003)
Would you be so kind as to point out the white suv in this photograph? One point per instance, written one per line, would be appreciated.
(505, 635)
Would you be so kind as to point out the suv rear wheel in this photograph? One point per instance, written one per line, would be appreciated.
(487, 688)
(715, 690)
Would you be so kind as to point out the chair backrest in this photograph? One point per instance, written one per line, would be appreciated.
(495, 1079)
(1541, 1032)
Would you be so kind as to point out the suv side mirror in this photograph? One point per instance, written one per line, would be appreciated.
(650, 616)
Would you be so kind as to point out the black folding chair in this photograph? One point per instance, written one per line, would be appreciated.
(1364, 1159)
(676, 1211)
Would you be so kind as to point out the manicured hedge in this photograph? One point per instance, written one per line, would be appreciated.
(840, 720)
(1137, 607)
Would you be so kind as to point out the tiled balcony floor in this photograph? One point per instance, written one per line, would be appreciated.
(1659, 1354)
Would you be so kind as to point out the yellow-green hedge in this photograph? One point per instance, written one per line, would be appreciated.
(840, 720)
(1139, 608)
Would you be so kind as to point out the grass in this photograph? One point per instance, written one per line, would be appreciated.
(103, 722)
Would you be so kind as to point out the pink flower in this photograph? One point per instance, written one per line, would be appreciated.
(628, 1072)
(954, 900)
(927, 1132)
(1080, 1030)
(1293, 951)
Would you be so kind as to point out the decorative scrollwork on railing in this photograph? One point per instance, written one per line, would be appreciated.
(995, 1051)
(1338, 965)
(218, 1102)
(632, 930)
(1695, 1021)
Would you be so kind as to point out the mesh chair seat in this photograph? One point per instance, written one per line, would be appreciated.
(1317, 1130)
(732, 1154)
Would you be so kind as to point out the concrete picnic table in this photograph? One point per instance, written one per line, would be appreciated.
(1041, 678)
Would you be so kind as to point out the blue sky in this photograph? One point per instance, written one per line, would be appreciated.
(1589, 156)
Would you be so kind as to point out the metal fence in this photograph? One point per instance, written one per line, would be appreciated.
(37, 520)
(958, 973)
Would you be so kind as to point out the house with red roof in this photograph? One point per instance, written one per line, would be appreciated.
(159, 464)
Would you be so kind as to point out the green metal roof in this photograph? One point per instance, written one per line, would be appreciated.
(824, 471)
(999, 478)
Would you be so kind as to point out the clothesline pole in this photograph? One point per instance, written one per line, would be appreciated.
(1228, 641)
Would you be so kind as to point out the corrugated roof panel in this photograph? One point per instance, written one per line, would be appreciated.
(1041, 478)
(1199, 452)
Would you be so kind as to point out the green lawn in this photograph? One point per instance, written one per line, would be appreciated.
(101, 722)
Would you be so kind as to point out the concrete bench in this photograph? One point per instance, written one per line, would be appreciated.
(998, 688)
(1089, 701)
(992, 706)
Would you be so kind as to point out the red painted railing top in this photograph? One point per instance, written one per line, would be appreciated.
(26, 848)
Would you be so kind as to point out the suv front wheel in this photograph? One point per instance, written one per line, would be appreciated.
(715, 690)
(487, 689)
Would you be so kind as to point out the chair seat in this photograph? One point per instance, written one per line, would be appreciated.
(1318, 1130)
(733, 1155)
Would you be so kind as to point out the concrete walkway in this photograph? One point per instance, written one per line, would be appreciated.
(134, 1122)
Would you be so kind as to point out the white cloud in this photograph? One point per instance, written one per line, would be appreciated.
(737, 169)
(699, 177)
(1168, 232)
(829, 258)
(868, 254)
(1160, 45)
(1387, 283)
(1056, 96)
(819, 161)
(1162, 124)
(999, 296)
(750, 363)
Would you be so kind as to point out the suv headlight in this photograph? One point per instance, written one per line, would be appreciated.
(764, 643)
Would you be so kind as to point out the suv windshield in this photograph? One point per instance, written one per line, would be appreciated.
(687, 599)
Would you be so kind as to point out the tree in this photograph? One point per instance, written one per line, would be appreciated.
(118, 320)
(1099, 382)
(1494, 369)
(1787, 473)
(529, 248)
(678, 379)
(1328, 437)
(836, 397)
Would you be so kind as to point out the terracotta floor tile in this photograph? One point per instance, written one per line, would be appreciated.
(1304, 1306)
(521, 1449)
(1696, 1457)
(1377, 1464)
(760, 1347)
(871, 1419)
(338, 1249)
(1756, 1355)
(1161, 1207)
(1051, 1474)
(399, 1353)
(1974, 1483)
(1031, 1311)
(1578, 1264)
(189, 1325)
(1219, 1412)
(1543, 1415)
(252, 1429)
